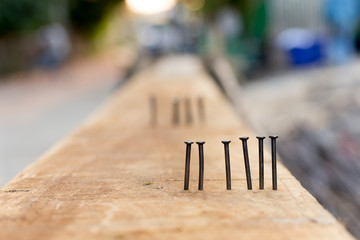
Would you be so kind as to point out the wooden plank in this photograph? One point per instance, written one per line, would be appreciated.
(92, 185)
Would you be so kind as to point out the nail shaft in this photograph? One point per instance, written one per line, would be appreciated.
(153, 110)
(227, 164)
(201, 109)
(246, 161)
(273, 161)
(201, 165)
(187, 164)
(176, 111)
(261, 161)
(188, 114)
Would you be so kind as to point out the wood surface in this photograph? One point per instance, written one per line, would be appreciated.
(119, 177)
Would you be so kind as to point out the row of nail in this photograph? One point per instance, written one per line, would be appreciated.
(227, 163)
(189, 119)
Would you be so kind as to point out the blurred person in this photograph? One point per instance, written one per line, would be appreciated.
(343, 16)
(56, 45)
(230, 22)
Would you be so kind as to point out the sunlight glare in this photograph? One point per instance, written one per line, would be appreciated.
(150, 6)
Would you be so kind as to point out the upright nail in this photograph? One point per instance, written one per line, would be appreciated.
(176, 111)
(273, 161)
(188, 113)
(227, 164)
(201, 109)
(187, 164)
(246, 161)
(153, 110)
(261, 161)
(201, 165)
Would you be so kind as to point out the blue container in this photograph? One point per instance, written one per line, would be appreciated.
(303, 56)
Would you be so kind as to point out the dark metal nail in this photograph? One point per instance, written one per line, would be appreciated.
(188, 113)
(261, 161)
(246, 161)
(273, 161)
(201, 165)
(153, 110)
(201, 109)
(176, 111)
(187, 164)
(227, 164)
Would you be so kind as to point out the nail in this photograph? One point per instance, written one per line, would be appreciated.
(176, 111)
(246, 161)
(201, 165)
(153, 110)
(201, 109)
(261, 161)
(187, 164)
(188, 111)
(227, 164)
(273, 161)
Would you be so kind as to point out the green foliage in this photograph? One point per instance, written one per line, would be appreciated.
(253, 13)
(20, 16)
(23, 16)
(212, 6)
(87, 16)
(245, 51)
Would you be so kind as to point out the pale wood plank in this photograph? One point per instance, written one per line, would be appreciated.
(91, 185)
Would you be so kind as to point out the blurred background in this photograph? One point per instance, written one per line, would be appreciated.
(296, 65)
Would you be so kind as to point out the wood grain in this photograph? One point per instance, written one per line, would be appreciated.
(118, 177)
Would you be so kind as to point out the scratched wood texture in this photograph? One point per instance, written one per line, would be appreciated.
(118, 177)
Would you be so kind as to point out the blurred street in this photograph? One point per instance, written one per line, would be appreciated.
(316, 113)
(39, 108)
(309, 96)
